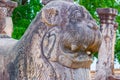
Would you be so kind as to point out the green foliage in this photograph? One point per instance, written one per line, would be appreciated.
(92, 5)
(19, 27)
(23, 15)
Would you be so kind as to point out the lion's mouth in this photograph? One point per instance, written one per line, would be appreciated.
(73, 53)
(75, 59)
(83, 60)
(75, 62)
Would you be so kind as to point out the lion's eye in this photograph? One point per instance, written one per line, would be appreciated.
(76, 16)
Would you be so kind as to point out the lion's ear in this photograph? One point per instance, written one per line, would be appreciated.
(50, 17)
(50, 43)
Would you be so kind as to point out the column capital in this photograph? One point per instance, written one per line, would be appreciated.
(107, 11)
(107, 15)
(10, 5)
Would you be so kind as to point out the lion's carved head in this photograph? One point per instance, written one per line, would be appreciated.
(72, 36)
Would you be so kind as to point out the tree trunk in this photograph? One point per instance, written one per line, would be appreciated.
(105, 63)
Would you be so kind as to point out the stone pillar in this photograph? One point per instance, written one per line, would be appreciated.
(113, 48)
(105, 63)
(6, 9)
(9, 26)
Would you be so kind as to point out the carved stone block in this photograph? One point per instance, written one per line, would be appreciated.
(57, 45)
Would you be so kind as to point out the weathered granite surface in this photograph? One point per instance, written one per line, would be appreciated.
(57, 45)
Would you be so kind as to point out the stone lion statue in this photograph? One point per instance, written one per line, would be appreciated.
(57, 45)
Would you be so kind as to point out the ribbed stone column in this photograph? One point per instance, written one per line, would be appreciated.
(6, 9)
(105, 63)
(3, 14)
